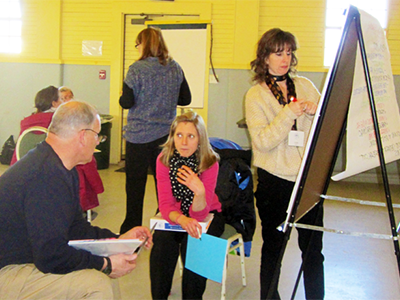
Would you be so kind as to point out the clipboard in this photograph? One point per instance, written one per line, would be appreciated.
(107, 247)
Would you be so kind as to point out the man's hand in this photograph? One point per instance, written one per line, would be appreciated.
(122, 264)
(139, 232)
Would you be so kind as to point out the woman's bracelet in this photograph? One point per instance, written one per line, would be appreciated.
(176, 220)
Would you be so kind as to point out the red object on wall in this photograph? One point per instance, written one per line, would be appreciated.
(102, 74)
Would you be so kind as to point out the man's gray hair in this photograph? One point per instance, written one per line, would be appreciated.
(72, 116)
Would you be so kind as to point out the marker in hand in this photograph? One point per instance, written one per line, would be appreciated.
(198, 231)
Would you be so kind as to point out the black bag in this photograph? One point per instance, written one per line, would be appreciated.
(235, 190)
(7, 151)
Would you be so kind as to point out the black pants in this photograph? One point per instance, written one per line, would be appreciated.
(163, 258)
(272, 198)
(138, 158)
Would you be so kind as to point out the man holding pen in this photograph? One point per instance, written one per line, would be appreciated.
(40, 213)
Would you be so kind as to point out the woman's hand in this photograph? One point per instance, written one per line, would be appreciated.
(190, 179)
(192, 227)
(309, 108)
(299, 107)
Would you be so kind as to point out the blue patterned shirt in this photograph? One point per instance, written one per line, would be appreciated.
(156, 92)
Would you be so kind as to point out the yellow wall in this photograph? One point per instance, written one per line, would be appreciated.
(306, 20)
(393, 35)
(53, 31)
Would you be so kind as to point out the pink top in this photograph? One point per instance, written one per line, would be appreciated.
(167, 202)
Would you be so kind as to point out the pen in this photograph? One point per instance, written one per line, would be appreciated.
(198, 231)
(154, 227)
(138, 249)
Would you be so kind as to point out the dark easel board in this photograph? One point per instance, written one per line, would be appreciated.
(328, 129)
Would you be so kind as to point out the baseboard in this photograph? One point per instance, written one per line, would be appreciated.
(372, 178)
(394, 179)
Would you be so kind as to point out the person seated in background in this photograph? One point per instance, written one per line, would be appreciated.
(46, 102)
(66, 94)
(40, 213)
(90, 183)
(187, 171)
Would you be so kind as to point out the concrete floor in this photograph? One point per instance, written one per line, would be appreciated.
(355, 267)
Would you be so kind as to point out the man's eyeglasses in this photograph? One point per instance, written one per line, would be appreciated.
(100, 138)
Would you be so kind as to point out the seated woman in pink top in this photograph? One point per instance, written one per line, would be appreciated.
(187, 171)
(46, 103)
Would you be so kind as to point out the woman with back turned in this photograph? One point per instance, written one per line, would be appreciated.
(152, 89)
(279, 111)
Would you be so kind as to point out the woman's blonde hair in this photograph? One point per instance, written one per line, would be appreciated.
(205, 154)
(153, 45)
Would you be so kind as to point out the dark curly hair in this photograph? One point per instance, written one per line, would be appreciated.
(272, 41)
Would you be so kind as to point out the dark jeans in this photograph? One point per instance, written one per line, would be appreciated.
(138, 158)
(164, 256)
(272, 198)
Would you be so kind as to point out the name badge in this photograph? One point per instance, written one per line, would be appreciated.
(296, 138)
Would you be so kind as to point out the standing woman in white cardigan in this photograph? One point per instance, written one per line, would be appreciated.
(279, 112)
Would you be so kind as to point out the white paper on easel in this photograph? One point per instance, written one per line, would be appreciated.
(361, 148)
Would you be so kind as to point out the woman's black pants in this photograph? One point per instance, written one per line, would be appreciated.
(272, 198)
(163, 258)
(138, 159)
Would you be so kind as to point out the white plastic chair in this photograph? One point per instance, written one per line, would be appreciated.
(231, 235)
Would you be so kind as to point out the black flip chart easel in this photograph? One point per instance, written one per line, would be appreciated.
(328, 131)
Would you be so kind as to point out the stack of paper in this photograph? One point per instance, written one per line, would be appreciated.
(162, 224)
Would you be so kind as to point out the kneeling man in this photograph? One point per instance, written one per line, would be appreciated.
(40, 213)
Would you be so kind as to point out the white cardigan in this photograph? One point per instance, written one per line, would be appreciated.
(269, 125)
